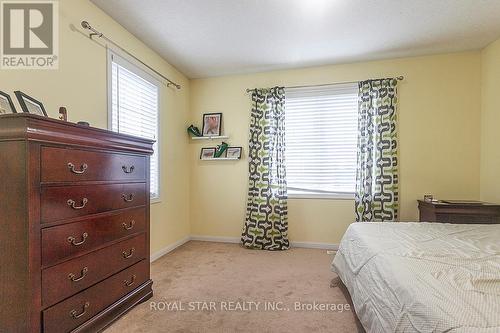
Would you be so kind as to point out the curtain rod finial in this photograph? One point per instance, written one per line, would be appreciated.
(169, 83)
(85, 25)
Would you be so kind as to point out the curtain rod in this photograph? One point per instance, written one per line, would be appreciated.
(399, 78)
(99, 34)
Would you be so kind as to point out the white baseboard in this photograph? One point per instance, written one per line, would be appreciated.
(157, 255)
(310, 245)
(217, 239)
(235, 240)
(307, 245)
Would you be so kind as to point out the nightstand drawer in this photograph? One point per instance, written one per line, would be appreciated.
(89, 234)
(459, 213)
(69, 165)
(466, 219)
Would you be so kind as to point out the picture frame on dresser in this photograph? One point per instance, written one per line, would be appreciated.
(6, 104)
(30, 105)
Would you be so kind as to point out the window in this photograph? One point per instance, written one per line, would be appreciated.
(321, 139)
(134, 108)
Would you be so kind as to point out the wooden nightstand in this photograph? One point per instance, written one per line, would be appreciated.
(459, 213)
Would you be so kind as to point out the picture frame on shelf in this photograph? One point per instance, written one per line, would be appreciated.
(30, 105)
(6, 104)
(234, 152)
(207, 153)
(212, 124)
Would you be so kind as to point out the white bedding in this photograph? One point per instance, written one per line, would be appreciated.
(422, 277)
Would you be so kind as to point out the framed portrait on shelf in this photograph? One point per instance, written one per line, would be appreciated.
(233, 152)
(30, 105)
(207, 153)
(6, 105)
(212, 123)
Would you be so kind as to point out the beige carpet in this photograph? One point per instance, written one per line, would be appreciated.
(225, 273)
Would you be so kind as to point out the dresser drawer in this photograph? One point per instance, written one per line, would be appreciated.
(63, 202)
(64, 240)
(466, 219)
(71, 313)
(70, 277)
(66, 165)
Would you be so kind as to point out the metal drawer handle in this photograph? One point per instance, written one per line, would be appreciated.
(132, 281)
(83, 168)
(129, 169)
(128, 255)
(75, 315)
(72, 239)
(128, 198)
(73, 277)
(130, 226)
(72, 203)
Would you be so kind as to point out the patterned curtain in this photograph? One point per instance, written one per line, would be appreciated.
(266, 225)
(377, 197)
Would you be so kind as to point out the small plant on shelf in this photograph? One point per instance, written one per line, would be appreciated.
(220, 149)
(194, 131)
(221, 152)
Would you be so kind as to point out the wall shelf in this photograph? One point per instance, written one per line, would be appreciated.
(221, 159)
(215, 137)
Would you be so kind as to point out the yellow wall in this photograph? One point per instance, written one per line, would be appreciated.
(490, 133)
(439, 117)
(80, 85)
(439, 132)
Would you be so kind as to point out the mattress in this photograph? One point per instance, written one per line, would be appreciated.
(422, 277)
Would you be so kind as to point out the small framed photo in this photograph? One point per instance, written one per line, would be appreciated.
(233, 152)
(30, 105)
(212, 123)
(6, 105)
(207, 153)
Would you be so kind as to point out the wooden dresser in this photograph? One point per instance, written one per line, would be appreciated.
(74, 225)
(479, 213)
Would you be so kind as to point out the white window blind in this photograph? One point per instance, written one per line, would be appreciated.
(321, 138)
(134, 109)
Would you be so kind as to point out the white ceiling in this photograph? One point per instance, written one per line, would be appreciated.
(204, 38)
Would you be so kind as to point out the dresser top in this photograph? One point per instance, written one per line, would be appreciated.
(25, 126)
(457, 203)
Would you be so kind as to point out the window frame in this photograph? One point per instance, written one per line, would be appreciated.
(297, 194)
(326, 195)
(135, 68)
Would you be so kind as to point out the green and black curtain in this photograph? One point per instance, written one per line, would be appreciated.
(266, 224)
(377, 195)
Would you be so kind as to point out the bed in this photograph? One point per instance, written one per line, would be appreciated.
(422, 277)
